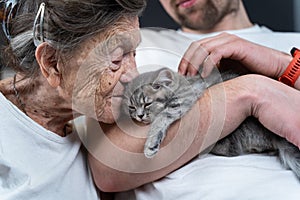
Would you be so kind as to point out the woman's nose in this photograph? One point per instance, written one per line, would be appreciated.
(128, 76)
(129, 70)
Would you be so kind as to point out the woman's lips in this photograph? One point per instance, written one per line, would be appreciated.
(186, 3)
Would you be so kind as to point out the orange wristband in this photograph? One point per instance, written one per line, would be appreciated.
(292, 72)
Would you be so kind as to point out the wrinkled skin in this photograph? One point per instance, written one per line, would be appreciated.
(102, 71)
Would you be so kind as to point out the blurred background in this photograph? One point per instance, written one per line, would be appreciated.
(279, 15)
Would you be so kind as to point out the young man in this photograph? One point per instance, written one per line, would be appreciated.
(209, 176)
(207, 16)
(200, 19)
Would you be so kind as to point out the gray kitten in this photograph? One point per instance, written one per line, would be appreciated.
(163, 96)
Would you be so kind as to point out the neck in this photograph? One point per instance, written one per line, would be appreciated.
(42, 103)
(233, 21)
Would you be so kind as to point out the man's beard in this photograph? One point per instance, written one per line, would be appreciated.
(206, 19)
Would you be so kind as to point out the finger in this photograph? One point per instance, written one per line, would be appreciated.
(196, 61)
(185, 61)
(198, 52)
(205, 48)
(183, 65)
(217, 40)
(208, 66)
(229, 48)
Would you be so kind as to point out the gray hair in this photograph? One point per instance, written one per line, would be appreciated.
(67, 23)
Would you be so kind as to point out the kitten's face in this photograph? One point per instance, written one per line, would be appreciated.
(147, 102)
(148, 94)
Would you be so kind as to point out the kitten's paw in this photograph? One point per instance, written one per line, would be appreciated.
(150, 152)
(153, 143)
(152, 146)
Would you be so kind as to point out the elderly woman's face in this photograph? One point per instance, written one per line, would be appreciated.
(103, 65)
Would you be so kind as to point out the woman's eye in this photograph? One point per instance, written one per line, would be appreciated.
(156, 86)
(115, 65)
(116, 59)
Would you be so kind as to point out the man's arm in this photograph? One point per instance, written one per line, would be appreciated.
(122, 165)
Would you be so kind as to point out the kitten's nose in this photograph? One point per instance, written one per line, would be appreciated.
(141, 116)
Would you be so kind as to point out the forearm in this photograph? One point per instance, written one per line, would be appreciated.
(277, 107)
(256, 58)
(218, 112)
(129, 168)
(222, 108)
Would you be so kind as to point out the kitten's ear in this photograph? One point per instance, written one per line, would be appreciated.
(165, 77)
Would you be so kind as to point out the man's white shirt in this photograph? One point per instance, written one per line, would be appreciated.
(210, 177)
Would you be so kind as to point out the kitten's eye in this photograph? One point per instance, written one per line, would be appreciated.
(147, 105)
(131, 107)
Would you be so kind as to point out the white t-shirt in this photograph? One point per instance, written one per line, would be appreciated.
(165, 47)
(36, 164)
(256, 29)
(210, 177)
(283, 41)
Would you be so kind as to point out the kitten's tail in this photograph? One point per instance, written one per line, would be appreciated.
(289, 156)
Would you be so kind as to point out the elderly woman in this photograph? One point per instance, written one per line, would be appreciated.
(49, 46)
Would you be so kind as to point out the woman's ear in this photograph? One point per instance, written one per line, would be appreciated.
(46, 58)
